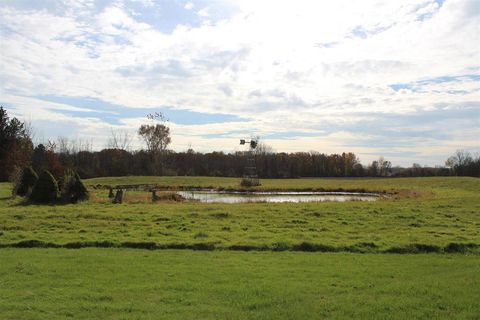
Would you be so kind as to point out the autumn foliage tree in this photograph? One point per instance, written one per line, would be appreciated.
(15, 144)
(157, 138)
(45, 158)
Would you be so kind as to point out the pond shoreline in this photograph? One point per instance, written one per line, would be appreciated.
(332, 191)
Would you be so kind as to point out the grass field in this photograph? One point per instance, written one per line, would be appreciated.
(171, 284)
(429, 214)
(440, 215)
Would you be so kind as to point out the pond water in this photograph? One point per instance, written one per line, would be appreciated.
(290, 196)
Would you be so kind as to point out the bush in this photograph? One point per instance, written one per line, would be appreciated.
(167, 196)
(46, 188)
(15, 177)
(250, 182)
(27, 182)
(73, 189)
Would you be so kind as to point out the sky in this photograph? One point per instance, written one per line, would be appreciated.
(399, 79)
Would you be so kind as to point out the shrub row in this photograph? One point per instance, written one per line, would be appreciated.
(45, 189)
(304, 247)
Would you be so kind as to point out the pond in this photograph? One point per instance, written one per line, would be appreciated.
(285, 196)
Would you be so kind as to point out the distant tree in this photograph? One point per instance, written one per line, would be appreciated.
(373, 169)
(462, 163)
(458, 161)
(27, 182)
(45, 158)
(46, 189)
(15, 144)
(261, 152)
(416, 170)
(63, 144)
(157, 138)
(261, 147)
(115, 162)
(349, 162)
(358, 170)
(39, 158)
(385, 167)
(119, 140)
(54, 165)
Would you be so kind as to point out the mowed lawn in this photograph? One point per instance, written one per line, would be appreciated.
(98, 283)
(275, 280)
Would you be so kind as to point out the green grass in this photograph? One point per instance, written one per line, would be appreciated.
(369, 184)
(169, 284)
(428, 213)
(439, 215)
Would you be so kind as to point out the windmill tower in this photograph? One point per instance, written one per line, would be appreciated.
(250, 177)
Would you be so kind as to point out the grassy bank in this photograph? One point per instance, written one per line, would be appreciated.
(169, 284)
(368, 184)
(427, 215)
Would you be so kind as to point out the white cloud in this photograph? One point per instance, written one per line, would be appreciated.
(145, 3)
(288, 66)
(204, 12)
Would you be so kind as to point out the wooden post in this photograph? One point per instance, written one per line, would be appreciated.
(118, 196)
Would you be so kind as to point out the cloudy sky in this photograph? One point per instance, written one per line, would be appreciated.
(394, 78)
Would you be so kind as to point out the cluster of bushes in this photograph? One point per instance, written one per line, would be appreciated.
(46, 189)
(250, 182)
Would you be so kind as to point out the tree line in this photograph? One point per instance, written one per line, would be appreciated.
(17, 151)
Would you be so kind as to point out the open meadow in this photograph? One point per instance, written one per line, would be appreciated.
(237, 160)
(414, 253)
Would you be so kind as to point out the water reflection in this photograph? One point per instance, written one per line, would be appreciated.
(290, 196)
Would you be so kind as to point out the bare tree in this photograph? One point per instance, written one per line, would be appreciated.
(262, 148)
(459, 159)
(384, 167)
(373, 169)
(30, 130)
(63, 145)
(51, 145)
(83, 145)
(119, 139)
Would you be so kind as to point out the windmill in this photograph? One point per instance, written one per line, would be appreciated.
(250, 177)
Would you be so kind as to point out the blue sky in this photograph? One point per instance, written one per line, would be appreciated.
(399, 79)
